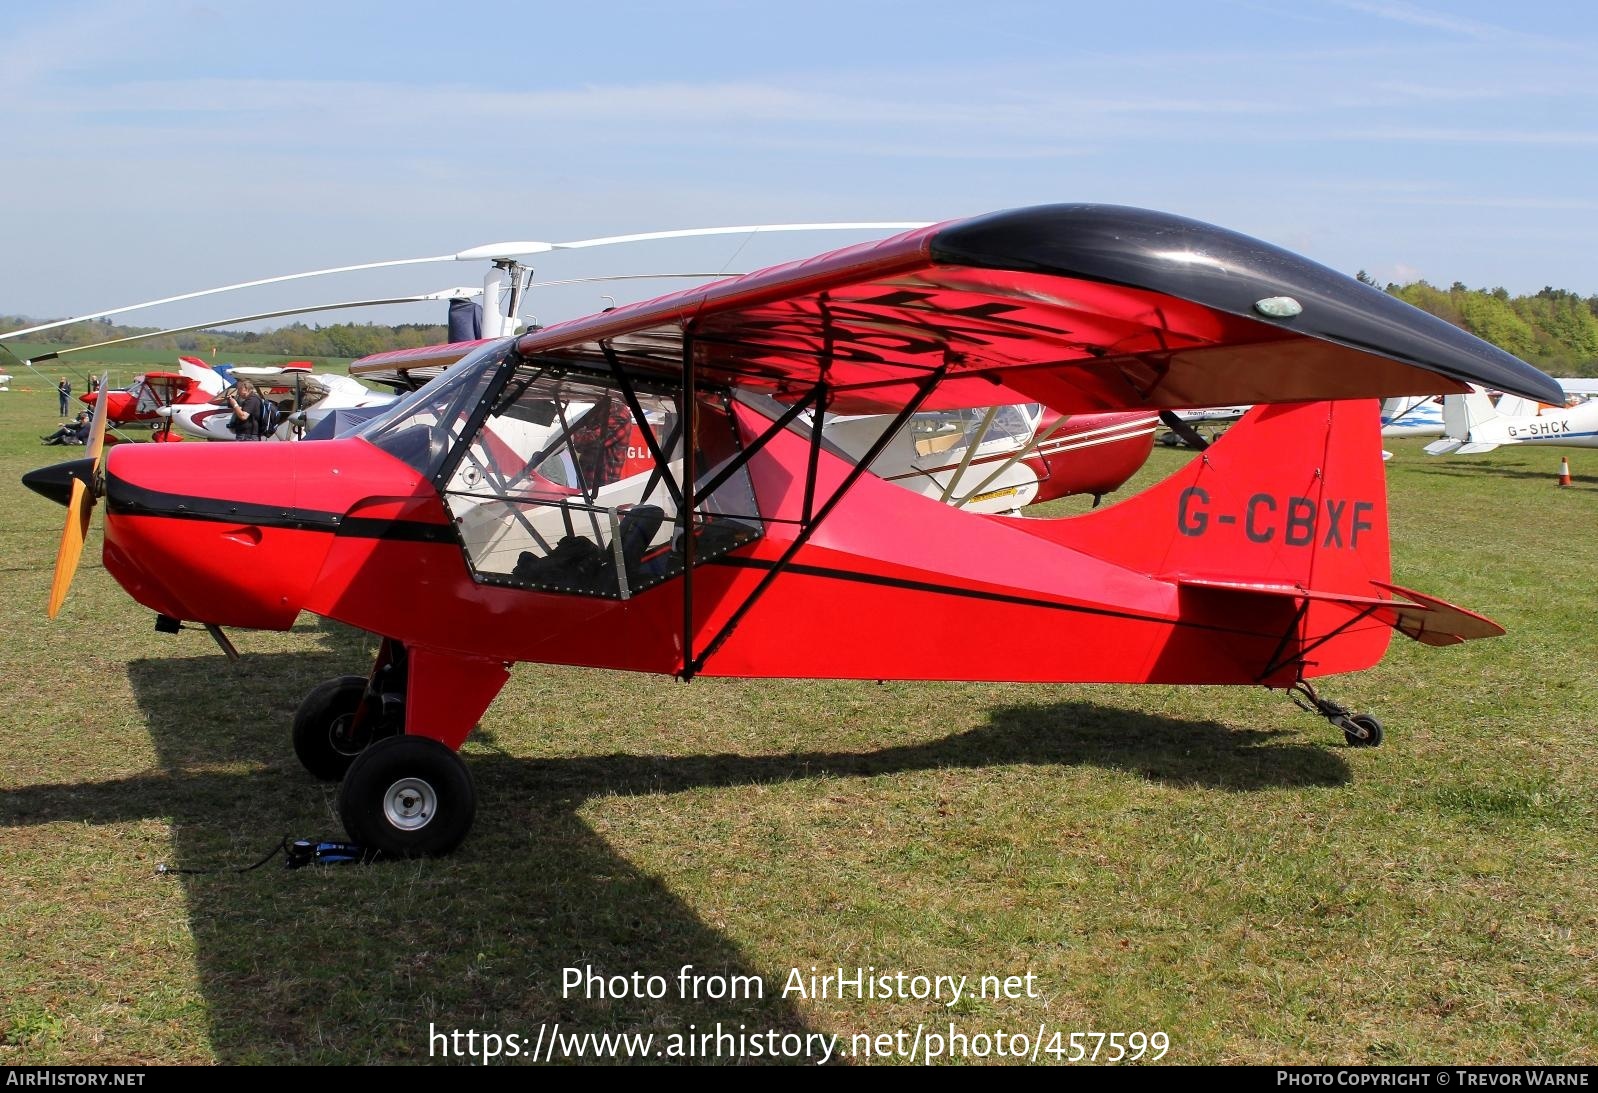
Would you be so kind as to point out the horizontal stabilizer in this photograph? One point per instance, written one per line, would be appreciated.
(1445, 446)
(1474, 449)
(1426, 619)
(1437, 622)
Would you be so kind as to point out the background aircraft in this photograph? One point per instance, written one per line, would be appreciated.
(148, 395)
(1413, 415)
(1472, 424)
(1003, 458)
(303, 398)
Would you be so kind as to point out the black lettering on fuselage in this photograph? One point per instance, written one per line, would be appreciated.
(1339, 521)
(1189, 522)
(1334, 523)
(1300, 521)
(1361, 509)
(1255, 533)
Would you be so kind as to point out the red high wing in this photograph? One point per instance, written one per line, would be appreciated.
(1080, 307)
(411, 367)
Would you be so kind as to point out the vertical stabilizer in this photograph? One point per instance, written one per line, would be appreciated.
(1276, 528)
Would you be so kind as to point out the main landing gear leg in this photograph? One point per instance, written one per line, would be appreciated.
(411, 795)
(341, 716)
(1361, 730)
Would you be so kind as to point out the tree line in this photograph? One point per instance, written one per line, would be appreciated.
(296, 340)
(1555, 329)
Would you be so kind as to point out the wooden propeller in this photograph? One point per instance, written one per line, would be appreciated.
(79, 508)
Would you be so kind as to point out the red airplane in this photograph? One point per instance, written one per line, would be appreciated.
(147, 395)
(495, 515)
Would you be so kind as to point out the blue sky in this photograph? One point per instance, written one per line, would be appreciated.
(153, 148)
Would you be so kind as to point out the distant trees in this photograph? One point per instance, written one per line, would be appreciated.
(1555, 329)
(294, 341)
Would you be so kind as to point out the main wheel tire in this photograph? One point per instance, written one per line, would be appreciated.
(408, 797)
(324, 739)
(1373, 732)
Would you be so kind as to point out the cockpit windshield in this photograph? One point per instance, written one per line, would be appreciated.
(565, 488)
(422, 427)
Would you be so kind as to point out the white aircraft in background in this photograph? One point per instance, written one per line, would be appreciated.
(1472, 425)
(1183, 431)
(303, 398)
(1412, 415)
(1582, 388)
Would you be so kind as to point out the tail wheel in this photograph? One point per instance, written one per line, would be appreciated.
(326, 739)
(1362, 731)
(409, 797)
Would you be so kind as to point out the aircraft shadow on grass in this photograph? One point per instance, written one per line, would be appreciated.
(351, 964)
(1478, 469)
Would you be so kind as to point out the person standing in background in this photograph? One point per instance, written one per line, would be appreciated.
(64, 390)
(246, 407)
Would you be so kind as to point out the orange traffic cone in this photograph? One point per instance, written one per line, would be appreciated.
(1564, 471)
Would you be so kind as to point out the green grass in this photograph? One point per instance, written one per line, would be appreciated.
(1208, 862)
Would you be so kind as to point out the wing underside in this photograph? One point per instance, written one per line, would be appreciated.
(407, 369)
(1083, 308)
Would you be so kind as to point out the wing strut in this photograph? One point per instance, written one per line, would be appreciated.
(624, 382)
(816, 398)
(1278, 661)
(692, 665)
(685, 513)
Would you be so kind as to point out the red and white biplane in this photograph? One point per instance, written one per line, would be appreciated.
(504, 497)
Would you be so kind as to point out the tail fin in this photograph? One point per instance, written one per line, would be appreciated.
(1294, 494)
(1463, 418)
(203, 375)
(1276, 538)
(1465, 414)
(1518, 406)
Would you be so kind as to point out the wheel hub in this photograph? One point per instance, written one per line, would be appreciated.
(410, 804)
(341, 735)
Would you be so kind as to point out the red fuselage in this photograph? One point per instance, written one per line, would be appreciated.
(341, 529)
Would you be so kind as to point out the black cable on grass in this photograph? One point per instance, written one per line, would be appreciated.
(281, 848)
(296, 855)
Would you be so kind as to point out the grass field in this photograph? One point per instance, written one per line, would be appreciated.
(1207, 862)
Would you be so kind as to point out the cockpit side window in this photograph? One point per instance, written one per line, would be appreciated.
(560, 491)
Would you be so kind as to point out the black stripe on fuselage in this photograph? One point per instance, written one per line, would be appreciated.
(979, 594)
(123, 498)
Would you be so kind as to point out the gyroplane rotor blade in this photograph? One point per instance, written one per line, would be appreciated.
(446, 294)
(514, 250)
(488, 252)
(79, 506)
(460, 293)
